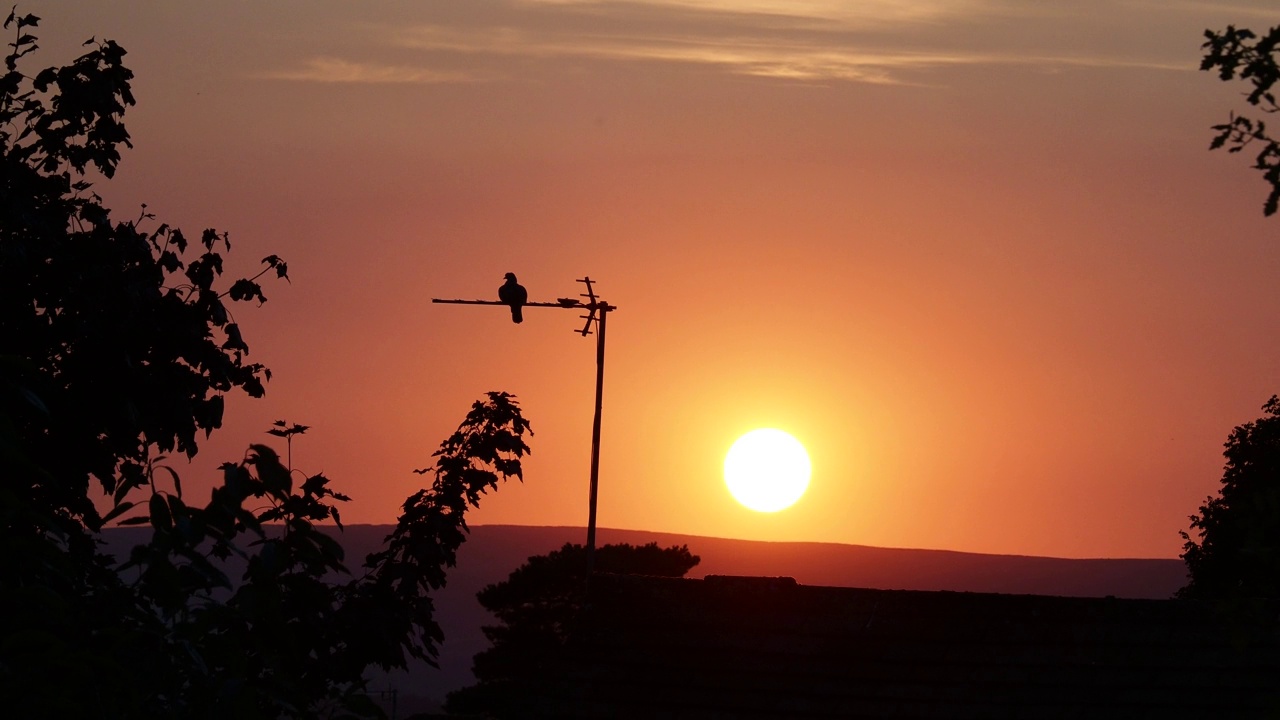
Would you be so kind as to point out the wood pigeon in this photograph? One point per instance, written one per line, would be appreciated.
(513, 294)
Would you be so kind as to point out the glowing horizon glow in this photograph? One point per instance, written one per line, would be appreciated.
(767, 470)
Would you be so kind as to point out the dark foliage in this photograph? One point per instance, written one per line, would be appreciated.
(173, 636)
(1240, 53)
(538, 606)
(116, 346)
(116, 343)
(1236, 554)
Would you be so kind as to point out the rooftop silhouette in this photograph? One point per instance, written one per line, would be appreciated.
(755, 647)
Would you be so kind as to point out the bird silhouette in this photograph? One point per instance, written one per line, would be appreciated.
(513, 294)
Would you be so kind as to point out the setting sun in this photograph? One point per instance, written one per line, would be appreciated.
(767, 470)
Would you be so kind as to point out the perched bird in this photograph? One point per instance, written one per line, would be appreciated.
(513, 294)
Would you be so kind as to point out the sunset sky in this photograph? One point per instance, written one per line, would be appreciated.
(974, 254)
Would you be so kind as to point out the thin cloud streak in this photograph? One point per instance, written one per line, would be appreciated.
(1238, 13)
(883, 42)
(338, 70)
(863, 11)
(760, 57)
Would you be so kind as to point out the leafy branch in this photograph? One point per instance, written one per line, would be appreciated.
(1239, 53)
(286, 637)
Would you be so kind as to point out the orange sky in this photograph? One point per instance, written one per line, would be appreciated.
(974, 254)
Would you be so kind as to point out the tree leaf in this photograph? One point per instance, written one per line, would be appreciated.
(177, 482)
(117, 511)
(161, 517)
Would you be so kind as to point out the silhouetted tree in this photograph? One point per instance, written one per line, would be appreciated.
(537, 606)
(116, 347)
(1236, 553)
(1240, 53)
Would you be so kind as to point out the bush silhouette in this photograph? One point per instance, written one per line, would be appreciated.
(537, 607)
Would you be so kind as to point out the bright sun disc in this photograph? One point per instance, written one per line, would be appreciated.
(767, 470)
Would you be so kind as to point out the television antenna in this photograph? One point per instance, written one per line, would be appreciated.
(597, 313)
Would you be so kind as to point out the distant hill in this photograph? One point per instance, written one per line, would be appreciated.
(493, 551)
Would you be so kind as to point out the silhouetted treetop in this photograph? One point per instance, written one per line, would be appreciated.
(538, 606)
(559, 575)
(1236, 553)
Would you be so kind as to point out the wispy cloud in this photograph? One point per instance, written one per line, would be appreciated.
(811, 57)
(742, 55)
(338, 70)
(1238, 13)
(868, 41)
(836, 10)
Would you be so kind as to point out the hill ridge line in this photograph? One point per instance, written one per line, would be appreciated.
(809, 543)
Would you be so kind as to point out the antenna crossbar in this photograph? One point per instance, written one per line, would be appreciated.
(558, 304)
